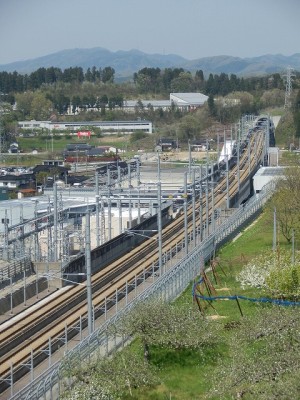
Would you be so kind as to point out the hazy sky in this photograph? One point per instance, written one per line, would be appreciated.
(190, 28)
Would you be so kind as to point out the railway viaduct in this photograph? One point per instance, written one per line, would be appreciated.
(134, 266)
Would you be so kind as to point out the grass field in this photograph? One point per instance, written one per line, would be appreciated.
(48, 149)
(42, 144)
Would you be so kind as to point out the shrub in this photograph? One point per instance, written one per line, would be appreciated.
(273, 271)
(284, 282)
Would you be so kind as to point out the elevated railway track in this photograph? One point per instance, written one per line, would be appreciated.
(25, 337)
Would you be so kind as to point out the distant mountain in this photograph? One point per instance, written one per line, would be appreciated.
(126, 63)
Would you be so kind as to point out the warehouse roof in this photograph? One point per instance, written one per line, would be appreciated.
(188, 98)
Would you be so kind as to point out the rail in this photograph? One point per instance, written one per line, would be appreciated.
(53, 381)
(211, 241)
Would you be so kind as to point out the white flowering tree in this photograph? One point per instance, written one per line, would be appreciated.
(111, 378)
(167, 325)
(154, 323)
(264, 358)
(275, 272)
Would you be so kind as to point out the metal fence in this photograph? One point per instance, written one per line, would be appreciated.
(168, 286)
(14, 270)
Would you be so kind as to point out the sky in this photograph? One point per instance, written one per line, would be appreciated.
(189, 28)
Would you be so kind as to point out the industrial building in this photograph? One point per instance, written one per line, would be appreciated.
(182, 101)
(71, 128)
(266, 174)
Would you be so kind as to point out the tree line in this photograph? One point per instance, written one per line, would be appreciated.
(146, 80)
(55, 89)
(15, 82)
(49, 92)
(179, 80)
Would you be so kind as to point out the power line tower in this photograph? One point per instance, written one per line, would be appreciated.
(288, 87)
(1, 128)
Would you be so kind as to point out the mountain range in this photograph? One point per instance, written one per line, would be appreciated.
(126, 63)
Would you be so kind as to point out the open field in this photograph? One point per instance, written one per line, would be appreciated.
(43, 148)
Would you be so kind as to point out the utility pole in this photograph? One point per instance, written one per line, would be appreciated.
(97, 210)
(274, 230)
(201, 206)
(97, 221)
(1, 129)
(186, 241)
(206, 203)
(55, 222)
(227, 182)
(88, 265)
(194, 207)
(190, 159)
(159, 222)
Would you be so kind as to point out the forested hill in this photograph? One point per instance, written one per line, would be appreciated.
(125, 63)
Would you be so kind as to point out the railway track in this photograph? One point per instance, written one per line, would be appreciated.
(29, 334)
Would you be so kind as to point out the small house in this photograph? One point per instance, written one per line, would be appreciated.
(167, 144)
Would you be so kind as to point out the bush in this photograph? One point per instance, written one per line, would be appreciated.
(284, 282)
(273, 271)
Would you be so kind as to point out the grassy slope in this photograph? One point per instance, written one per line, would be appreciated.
(186, 374)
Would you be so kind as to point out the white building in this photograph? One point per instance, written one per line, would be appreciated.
(182, 101)
(107, 127)
(188, 101)
(266, 174)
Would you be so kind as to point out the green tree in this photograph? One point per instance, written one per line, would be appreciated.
(88, 75)
(296, 114)
(199, 80)
(223, 84)
(73, 74)
(76, 102)
(23, 101)
(138, 135)
(41, 107)
(273, 98)
(53, 75)
(211, 106)
(40, 177)
(143, 82)
(168, 75)
(286, 202)
(283, 281)
(108, 75)
(183, 83)
(210, 86)
(286, 129)
(148, 79)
